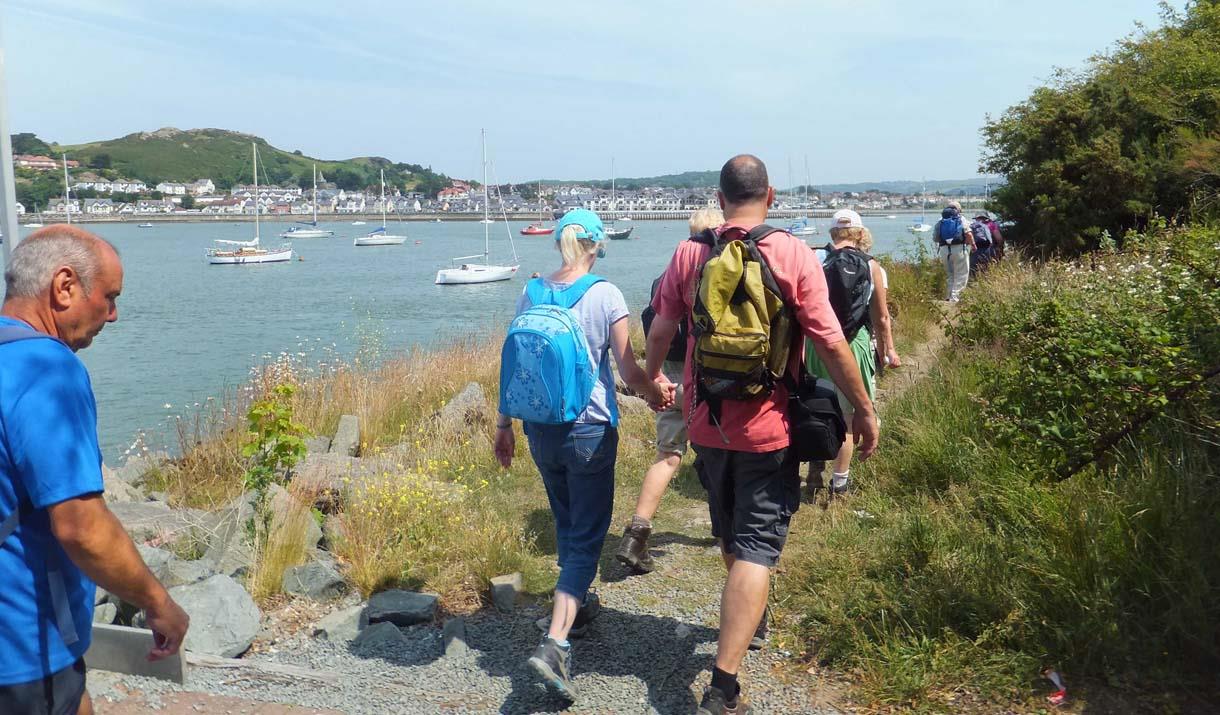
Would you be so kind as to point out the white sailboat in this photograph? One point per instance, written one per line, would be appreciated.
(238, 253)
(310, 230)
(484, 272)
(921, 225)
(804, 225)
(613, 232)
(378, 236)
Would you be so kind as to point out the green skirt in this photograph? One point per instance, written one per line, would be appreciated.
(861, 349)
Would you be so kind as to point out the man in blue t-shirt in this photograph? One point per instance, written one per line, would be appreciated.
(59, 538)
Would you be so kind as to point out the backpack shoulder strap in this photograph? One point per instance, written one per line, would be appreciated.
(571, 295)
(707, 237)
(761, 231)
(537, 292)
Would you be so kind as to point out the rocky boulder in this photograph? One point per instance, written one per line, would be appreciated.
(467, 410)
(402, 608)
(224, 619)
(228, 551)
(630, 404)
(117, 490)
(135, 468)
(156, 522)
(314, 580)
(347, 437)
(342, 625)
(379, 637)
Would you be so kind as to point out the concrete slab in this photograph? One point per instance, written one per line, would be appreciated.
(125, 650)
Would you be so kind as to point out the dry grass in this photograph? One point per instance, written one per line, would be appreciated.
(282, 548)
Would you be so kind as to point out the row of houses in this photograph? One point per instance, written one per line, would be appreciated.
(37, 162)
(202, 187)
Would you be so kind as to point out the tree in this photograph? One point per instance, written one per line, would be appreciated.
(29, 143)
(1105, 150)
(100, 161)
(188, 202)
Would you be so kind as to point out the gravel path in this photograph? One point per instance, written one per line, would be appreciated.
(650, 651)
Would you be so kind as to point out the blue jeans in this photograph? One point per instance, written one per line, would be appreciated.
(577, 465)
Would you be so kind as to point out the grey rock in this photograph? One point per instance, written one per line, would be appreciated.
(505, 590)
(155, 521)
(630, 404)
(322, 475)
(402, 608)
(682, 631)
(105, 613)
(116, 490)
(228, 551)
(347, 437)
(342, 625)
(318, 445)
(135, 468)
(224, 619)
(379, 636)
(100, 596)
(157, 560)
(332, 530)
(453, 634)
(314, 580)
(467, 409)
(181, 573)
(158, 496)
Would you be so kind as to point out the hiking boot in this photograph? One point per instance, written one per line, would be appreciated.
(840, 490)
(633, 551)
(584, 616)
(759, 641)
(715, 703)
(553, 664)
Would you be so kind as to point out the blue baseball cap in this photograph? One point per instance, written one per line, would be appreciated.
(588, 221)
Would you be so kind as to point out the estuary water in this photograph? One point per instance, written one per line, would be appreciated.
(188, 330)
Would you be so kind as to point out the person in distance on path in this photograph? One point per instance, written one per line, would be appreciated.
(743, 458)
(576, 459)
(671, 432)
(58, 538)
(954, 244)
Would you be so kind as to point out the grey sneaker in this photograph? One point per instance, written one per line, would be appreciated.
(554, 665)
(633, 551)
(715, 703)
(590, 609)
(840, 491)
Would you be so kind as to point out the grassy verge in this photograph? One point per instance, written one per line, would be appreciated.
(979, 549)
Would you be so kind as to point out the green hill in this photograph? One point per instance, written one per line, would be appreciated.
(701, 179)
(224, 156)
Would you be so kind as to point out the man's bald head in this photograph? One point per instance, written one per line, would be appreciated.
(34, 260)
(743, 180)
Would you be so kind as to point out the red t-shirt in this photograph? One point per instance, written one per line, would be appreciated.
(759, 425)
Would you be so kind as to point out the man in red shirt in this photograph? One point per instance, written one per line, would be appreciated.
(743, 459)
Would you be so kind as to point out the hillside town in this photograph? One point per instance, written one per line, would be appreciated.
(93, 195)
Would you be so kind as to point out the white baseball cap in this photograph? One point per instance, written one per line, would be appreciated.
(846, 218)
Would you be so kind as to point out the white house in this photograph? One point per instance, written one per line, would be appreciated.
(99, 207)
(57, 206)
(170, 188)
(201, 187)
(154, 206)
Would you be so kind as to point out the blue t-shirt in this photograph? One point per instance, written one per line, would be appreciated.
(48, 454)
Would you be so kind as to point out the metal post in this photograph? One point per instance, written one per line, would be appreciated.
(8, 194)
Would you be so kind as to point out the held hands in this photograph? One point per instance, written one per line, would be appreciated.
(169, 624)
(661, 393)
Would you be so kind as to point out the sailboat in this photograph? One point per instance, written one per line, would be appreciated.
(804, 226)
(378, 236)
(36, 223)
(484, 272)
(312, 231)
(613, 232)
(540, 228)
(67, 192)
(921, 226)
(238, 253)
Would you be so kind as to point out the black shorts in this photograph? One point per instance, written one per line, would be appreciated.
(57, 694)
(751, 498)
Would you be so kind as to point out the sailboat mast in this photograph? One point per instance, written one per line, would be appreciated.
(315, 195)
(383, 198)
(807, 183)
(254, 153)
(67, 195)
(613, 176)
(486, 225)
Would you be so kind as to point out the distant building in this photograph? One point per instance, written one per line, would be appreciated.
(38, 162)
(171, 188)
(201, 187)
(99, 207)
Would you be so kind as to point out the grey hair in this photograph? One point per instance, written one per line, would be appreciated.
(33, 262)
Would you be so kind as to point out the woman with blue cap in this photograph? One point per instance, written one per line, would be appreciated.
(577, 458)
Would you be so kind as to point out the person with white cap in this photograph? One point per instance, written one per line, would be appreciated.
(858, 286)
(954, 244)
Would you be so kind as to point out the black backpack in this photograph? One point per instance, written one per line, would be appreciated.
(849, 282)
(677, 347)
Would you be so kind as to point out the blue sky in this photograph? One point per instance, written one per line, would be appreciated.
(866, 89)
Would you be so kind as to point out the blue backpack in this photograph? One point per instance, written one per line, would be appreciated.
(546, 372)
(949, 232)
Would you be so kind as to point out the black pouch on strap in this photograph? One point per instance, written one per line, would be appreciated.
(814, 418)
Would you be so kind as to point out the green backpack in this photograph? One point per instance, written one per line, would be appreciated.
(742, 326)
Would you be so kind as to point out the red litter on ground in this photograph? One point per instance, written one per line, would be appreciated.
(1060, 695)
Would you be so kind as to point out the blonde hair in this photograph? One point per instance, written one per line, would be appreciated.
(574, 250)
(704, 219)
(859, 236)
